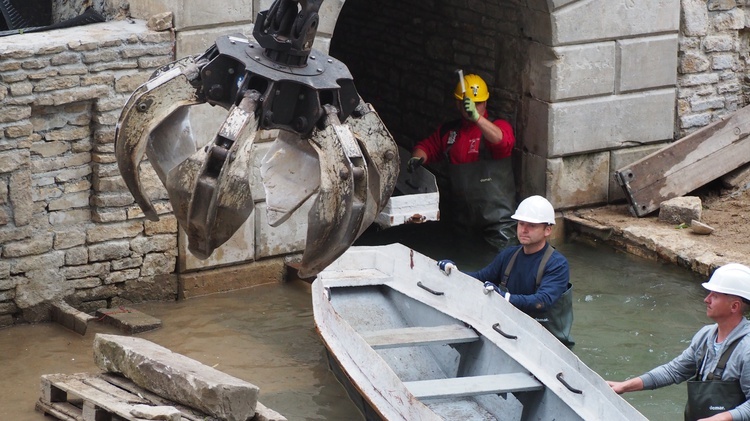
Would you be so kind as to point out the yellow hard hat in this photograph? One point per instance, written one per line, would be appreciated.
(476, 89)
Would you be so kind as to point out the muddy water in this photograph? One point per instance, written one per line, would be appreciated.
(630, 315)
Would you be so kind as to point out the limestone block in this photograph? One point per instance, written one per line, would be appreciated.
(20, 197)
(99, 233)
(38, 244)
(288, 237)
(579, 180)
(322, 43)
(86, 271)
(70, 201)
(621, 158)
(571, 72)
(681, 210)
(695, 17)
(67, 237)
(154, 243)
(158, 264)
(239, 248)
(11, 161)
(109, 251)
(580, 126)
(230, 278)
(176, 377)
(534, 181)
(614, 19)
(191, 42)
(647, 62)
(329, 13)
(53, 260)
(194, 14)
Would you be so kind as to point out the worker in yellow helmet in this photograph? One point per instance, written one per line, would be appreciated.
(477, 148)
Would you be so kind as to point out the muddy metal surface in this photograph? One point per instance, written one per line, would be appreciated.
(631, 314)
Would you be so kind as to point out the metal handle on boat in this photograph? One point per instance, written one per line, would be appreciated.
(571, 388)
(428, 289)
(496, 327)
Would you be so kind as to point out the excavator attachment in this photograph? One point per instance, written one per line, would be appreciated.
(332, 147)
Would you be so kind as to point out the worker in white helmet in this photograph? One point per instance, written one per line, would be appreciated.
(717, 362)
(533, 276)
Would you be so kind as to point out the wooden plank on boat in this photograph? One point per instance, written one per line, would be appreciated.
(687, 164)
(475, 385)
(359, 277)
(413, 336)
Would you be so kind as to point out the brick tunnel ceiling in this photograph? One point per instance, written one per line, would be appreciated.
(24, 16)
(404, 56)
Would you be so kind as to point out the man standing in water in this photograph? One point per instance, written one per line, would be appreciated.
(534, 276)
(717, 362)
(477, 147)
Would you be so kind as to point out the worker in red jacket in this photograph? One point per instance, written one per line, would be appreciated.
(477, 147)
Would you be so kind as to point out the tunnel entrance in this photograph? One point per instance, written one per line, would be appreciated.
(404, 57)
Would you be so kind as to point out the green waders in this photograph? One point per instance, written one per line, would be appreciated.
(559, 318)
(713, 395)
(483, 197)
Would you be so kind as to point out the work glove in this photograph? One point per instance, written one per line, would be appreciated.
(489, 287)
(413, 163)
(471, 109)
(446, 266)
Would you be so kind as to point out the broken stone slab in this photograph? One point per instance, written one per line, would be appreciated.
(128, 320)
(160, 22)
(148, 412)
(73, 319)
(176, 377)
(681, 210)
(263, 413)
(700, 228)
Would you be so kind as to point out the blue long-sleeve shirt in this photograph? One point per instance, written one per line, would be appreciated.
(522, 280)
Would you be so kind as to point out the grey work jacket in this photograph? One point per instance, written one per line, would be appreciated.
(684, 367)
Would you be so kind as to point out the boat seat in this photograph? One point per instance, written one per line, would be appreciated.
(414, 336)
(475, 385)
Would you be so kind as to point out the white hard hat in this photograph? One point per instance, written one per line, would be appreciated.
(732, 278)
(536, 210)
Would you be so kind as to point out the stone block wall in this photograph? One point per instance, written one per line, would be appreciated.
(68, 226)
(713, 62)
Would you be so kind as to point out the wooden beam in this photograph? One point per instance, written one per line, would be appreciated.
(687, 164)
(475, 385)
(414, 336)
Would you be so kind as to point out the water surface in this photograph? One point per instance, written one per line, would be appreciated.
(631, 314)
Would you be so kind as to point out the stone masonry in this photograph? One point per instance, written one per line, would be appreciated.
(68, 226)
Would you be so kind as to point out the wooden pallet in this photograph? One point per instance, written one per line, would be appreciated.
(103, 397)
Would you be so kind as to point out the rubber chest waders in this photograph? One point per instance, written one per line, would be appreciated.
(559, 318)
(483, 194)
(713, 395)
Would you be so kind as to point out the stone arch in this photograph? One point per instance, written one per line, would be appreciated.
(587, 83)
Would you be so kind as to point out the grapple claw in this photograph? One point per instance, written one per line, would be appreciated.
(210, 191)
(150, 105)
(357, 176)
(330, 143)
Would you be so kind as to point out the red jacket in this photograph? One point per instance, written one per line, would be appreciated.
(466, 147)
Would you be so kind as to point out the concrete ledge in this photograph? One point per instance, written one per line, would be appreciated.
(648, 238)
(128, 320)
